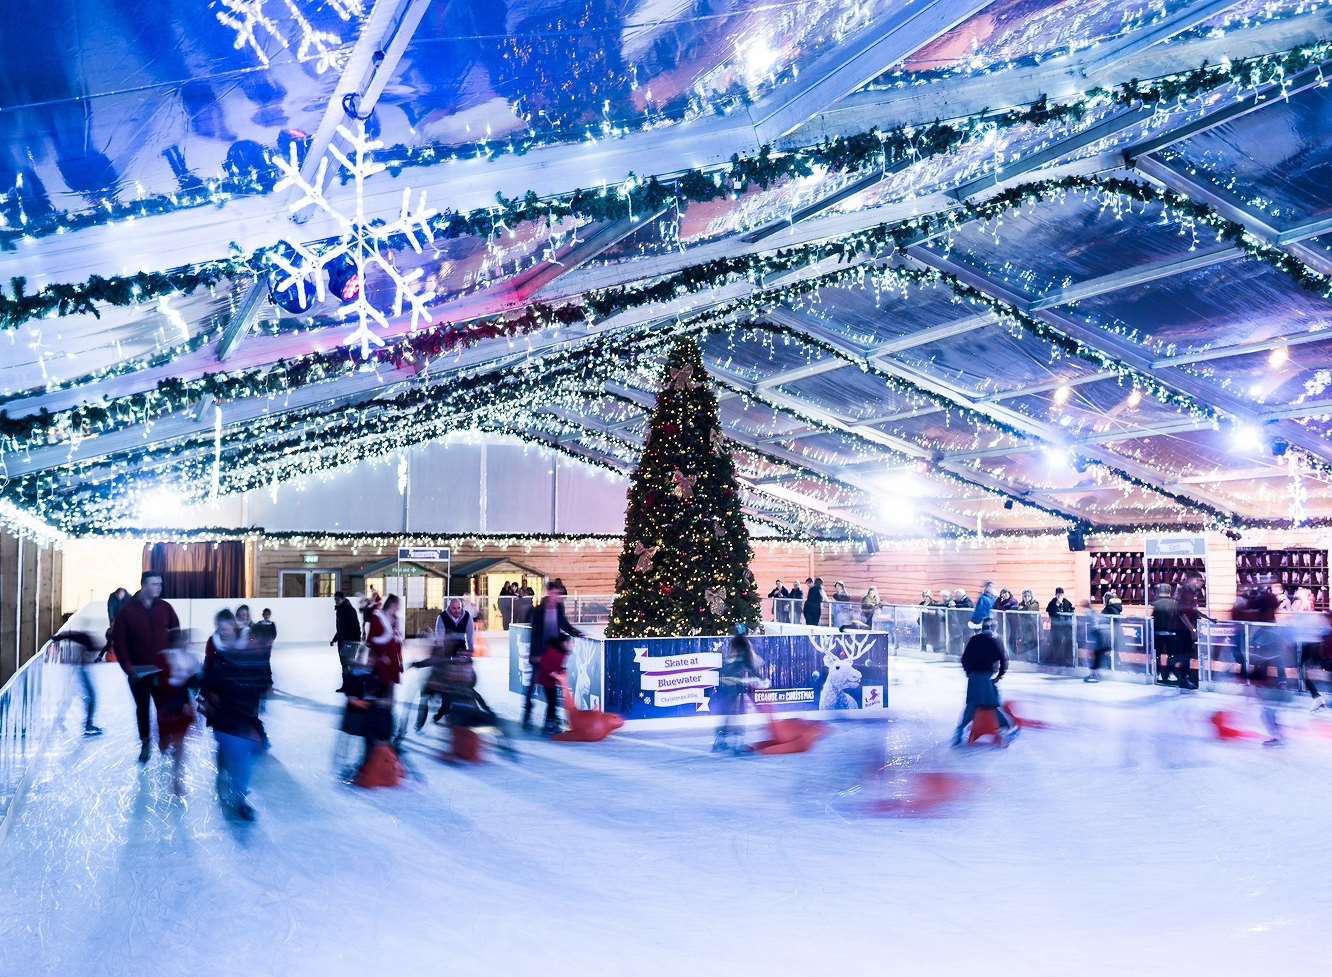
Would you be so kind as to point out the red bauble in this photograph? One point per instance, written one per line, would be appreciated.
(666, 590)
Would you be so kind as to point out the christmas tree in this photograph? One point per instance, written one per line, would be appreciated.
(685, 565)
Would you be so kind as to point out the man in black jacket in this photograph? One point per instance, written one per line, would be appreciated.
(548, 622)
(347, 636)
(983, 654)
(813, 600)
(1060, 610)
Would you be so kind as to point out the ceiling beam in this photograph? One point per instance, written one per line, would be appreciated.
(889, 38)
(1201, 190)
(1263, 96)
(1107, 54)
(922, 100)
(1241, 349)
(1128, 278)
(1126, 351)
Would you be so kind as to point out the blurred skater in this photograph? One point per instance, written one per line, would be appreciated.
(236, 679)
(173, 695)
(1098, 637)
(549, 673)
(385, 642)
(548, 623)
(741, 674)
(1267, 682)
(983, 654)
(80, 649)
(1166, 625)
(139, 636)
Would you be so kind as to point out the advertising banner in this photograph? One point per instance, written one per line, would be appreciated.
(583, 667)
(672, 677)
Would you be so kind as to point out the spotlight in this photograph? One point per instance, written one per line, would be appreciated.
(1134, 397)
(1246, 437)
(1062, 394)
(1057, 457)
(1279, 356)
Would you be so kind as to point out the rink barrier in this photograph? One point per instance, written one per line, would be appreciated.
(33, 704)
(823, 674)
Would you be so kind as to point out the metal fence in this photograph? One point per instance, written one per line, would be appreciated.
(580, 609)
(1221, 652)
(32, 704)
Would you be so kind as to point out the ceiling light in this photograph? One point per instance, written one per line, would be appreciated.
(1246, 437)
(1279, 356)
(1062, 394)
(1134, 397)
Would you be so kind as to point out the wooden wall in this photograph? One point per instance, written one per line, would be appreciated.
(30, 606)
(900, 574)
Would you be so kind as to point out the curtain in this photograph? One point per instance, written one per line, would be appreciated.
(198, 569)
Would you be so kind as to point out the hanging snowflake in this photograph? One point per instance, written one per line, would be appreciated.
(252, 18)
(363, 243)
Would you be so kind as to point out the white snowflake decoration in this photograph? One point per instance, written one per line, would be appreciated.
(251, 18)
(362, 241)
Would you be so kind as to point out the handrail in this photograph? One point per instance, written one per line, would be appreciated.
(32, 705)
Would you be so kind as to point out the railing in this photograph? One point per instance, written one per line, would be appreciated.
(580, 609)
(32, 704)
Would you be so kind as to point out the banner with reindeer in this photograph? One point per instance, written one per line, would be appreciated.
(674, 677)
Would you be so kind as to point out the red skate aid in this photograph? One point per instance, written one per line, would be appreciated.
(586, 725)
(985, 723)
(1020, 721)
(382, 769)
(1225, 725)
(922, 794)
(465, 746)
(790, 736)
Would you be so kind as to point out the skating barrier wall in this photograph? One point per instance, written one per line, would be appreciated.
(675, 678)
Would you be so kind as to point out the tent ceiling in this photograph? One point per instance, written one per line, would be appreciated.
(1197, 355)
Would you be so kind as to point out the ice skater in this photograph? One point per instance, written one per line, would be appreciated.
(139, 636)
(1098, 637)
(549, 624)
(983, 654)
(741, 674)
(236, 679)
(81, 649)
(173, 695)
(549, 673)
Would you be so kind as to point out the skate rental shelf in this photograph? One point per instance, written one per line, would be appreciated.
(809, 674)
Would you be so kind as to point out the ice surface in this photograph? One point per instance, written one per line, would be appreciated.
(1121, 842)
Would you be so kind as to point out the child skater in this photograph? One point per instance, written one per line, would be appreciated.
(740, 676)
(174, 697)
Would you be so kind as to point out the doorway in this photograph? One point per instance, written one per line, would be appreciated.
(309, 583)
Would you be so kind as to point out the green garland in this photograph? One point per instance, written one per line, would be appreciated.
(643, 196)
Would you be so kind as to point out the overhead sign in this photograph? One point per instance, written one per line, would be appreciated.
(424, 554)
(310, 558)
(1174, 547)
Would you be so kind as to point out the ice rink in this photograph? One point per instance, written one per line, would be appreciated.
(1122, 840)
